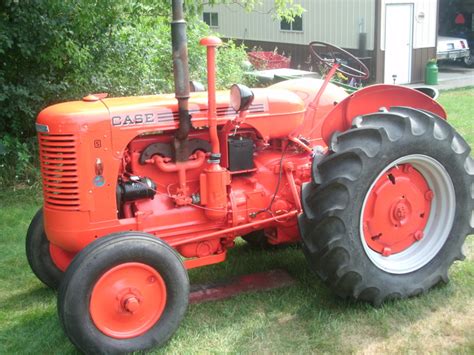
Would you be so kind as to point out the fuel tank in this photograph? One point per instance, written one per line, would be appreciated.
(307, 89)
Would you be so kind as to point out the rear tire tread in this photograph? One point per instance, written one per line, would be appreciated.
(324, 239)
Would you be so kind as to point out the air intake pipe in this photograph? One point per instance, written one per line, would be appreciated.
(181, 80)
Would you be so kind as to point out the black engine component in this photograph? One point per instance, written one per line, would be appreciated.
(135, 189)
(165, 149)
(241, 154)
(181, 80)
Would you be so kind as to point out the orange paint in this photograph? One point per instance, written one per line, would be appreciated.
(199, 207)
(128, 300)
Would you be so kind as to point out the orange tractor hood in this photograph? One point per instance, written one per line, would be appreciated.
(143, 114)
(71, 117)
(162, 111)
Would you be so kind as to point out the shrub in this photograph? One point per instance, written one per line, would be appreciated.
(54, 50)
(17, 161)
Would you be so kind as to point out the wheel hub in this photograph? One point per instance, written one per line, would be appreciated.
(397, 210)
(400, 212)
(128, 300)
(130, 304)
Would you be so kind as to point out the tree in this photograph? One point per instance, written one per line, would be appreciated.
(285, 9)
(56, 50)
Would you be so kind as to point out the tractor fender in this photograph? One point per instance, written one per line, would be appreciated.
(372, 99)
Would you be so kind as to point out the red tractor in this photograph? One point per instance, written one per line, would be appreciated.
(376, 185)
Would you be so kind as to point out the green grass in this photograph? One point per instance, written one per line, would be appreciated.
(303, 318)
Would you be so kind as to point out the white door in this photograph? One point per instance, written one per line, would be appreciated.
(398, 43)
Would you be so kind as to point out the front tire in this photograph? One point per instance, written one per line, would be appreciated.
(389, 207)
(469, 60)
(38, 253)
(123, 293)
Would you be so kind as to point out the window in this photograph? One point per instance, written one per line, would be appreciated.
(211, 18)
(296, 25)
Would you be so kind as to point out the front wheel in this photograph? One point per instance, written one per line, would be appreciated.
(43, 257)
(390, 206)
(469, 60)
(123, 293)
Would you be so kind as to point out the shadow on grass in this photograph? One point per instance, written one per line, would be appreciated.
(30, 323)
(36, 331)
(315, 321)
(305, 317)
(38, 296)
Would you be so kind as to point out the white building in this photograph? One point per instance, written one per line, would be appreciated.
(397, 37)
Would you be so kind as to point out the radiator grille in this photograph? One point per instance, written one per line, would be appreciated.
(59, 170)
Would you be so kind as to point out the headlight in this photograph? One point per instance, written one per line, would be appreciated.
(241, 97)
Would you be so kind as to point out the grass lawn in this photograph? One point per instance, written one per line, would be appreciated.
(303, 318)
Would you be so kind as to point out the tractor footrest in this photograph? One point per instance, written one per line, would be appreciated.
(260, 281)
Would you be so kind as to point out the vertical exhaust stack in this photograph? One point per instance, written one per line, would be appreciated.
(181, 80)
(212, 43)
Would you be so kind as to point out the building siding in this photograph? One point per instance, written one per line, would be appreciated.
(425, 19)
(336, 21)
(424, 37)
(421, 56)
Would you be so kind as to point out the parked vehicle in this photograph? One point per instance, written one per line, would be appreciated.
(376, 185)
(452, 48)
(468, 35)
(469, 60)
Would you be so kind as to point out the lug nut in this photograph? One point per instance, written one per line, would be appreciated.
(429, 195)
(151, 279)
(418, 235)
(131, 304)
(407, 168)
(386, 251)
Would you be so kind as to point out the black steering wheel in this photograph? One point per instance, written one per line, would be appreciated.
(329, 55)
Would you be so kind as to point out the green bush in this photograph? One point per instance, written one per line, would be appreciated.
(17, 161)
(55, 50)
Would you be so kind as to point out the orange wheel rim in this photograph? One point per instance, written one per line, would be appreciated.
(397, 210)
(128, 300)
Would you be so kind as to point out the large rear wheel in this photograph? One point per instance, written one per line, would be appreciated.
(123, 293)
(390, 206)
